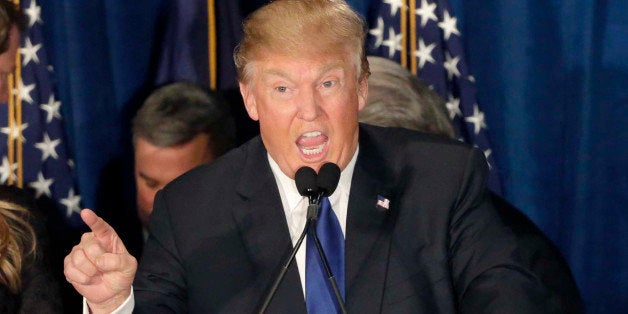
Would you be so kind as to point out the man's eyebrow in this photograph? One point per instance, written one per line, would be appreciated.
(327, 68)
(331, 67)
(275, 72)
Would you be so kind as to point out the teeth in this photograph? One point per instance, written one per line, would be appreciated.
(312, 150)
(312, 134)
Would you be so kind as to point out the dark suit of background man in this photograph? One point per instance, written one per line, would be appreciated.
(220, 232)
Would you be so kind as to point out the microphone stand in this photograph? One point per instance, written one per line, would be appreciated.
(312, 214)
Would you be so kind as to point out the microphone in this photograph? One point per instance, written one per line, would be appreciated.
(305, 179)
(327, 181)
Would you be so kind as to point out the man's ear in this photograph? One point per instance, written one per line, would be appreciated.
(249, 100)
(363, 91)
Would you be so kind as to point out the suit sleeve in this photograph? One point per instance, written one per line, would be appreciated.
(488, 273)
(159, 285)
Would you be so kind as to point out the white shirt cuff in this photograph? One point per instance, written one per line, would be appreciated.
(125, 308)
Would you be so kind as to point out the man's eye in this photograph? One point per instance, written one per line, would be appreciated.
(281, 89)
(151, 184)
(329, 84)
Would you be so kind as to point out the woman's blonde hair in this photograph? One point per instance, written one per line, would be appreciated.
(17, 244)
(297, 27)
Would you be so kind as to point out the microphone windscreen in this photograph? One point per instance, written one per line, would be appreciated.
(305, 178)
(328, 177)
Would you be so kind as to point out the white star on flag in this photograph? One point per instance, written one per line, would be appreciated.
(393, 42)
(15, 131)
(29, 52)
(25, 92)
(34, 13)
(424, 53)
(426, 12)
(394, 6)
(451, 65)
(477, 119)
(7, 170)
(448, 25)
(378, 32)
(48, 147)
(453, 106)
(41, 186)
(51, 108)
(72, 203)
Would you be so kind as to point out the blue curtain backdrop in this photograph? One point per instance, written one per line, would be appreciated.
(102, 52)
(552, 78)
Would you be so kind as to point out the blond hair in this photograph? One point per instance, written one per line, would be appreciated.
(295, 28)
(17, 244)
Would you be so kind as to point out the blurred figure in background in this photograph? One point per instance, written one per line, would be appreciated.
(12, 22)
(398, 99)
(27, 284)
(180, 126)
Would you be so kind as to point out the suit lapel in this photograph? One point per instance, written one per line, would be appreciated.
(260, 218)
(368, 230)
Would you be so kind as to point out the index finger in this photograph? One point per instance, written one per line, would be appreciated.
(99, 227)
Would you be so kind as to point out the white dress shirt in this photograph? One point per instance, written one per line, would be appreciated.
(295, 209)
(295, 206)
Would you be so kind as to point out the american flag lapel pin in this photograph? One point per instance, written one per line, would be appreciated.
(382, 202)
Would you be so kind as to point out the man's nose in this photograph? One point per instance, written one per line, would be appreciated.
(308, 105)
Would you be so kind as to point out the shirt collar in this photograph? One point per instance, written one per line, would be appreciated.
(288, 189)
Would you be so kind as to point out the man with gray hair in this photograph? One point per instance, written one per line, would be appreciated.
(180, 126)
(397, 98)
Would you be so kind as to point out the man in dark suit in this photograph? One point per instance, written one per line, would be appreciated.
(419, 233)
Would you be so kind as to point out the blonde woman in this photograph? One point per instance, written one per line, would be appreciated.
(26, 282)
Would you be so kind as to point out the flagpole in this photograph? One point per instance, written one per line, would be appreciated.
(413, 39)
(10, 124)
(18, 122)
(211, 44)
(403, 28)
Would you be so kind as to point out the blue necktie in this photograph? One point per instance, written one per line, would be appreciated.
(319, 294)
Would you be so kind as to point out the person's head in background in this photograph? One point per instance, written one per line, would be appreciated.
(179, 126)
(397, 98)
(12, 22)
(304, 80)
(17, 237)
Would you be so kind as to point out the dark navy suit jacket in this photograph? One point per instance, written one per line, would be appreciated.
(219, 236)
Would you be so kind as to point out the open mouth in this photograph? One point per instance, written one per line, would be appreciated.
(312, 143)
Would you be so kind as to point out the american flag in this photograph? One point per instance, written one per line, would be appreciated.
(33, 153)
(383, 202)
(423, 36)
